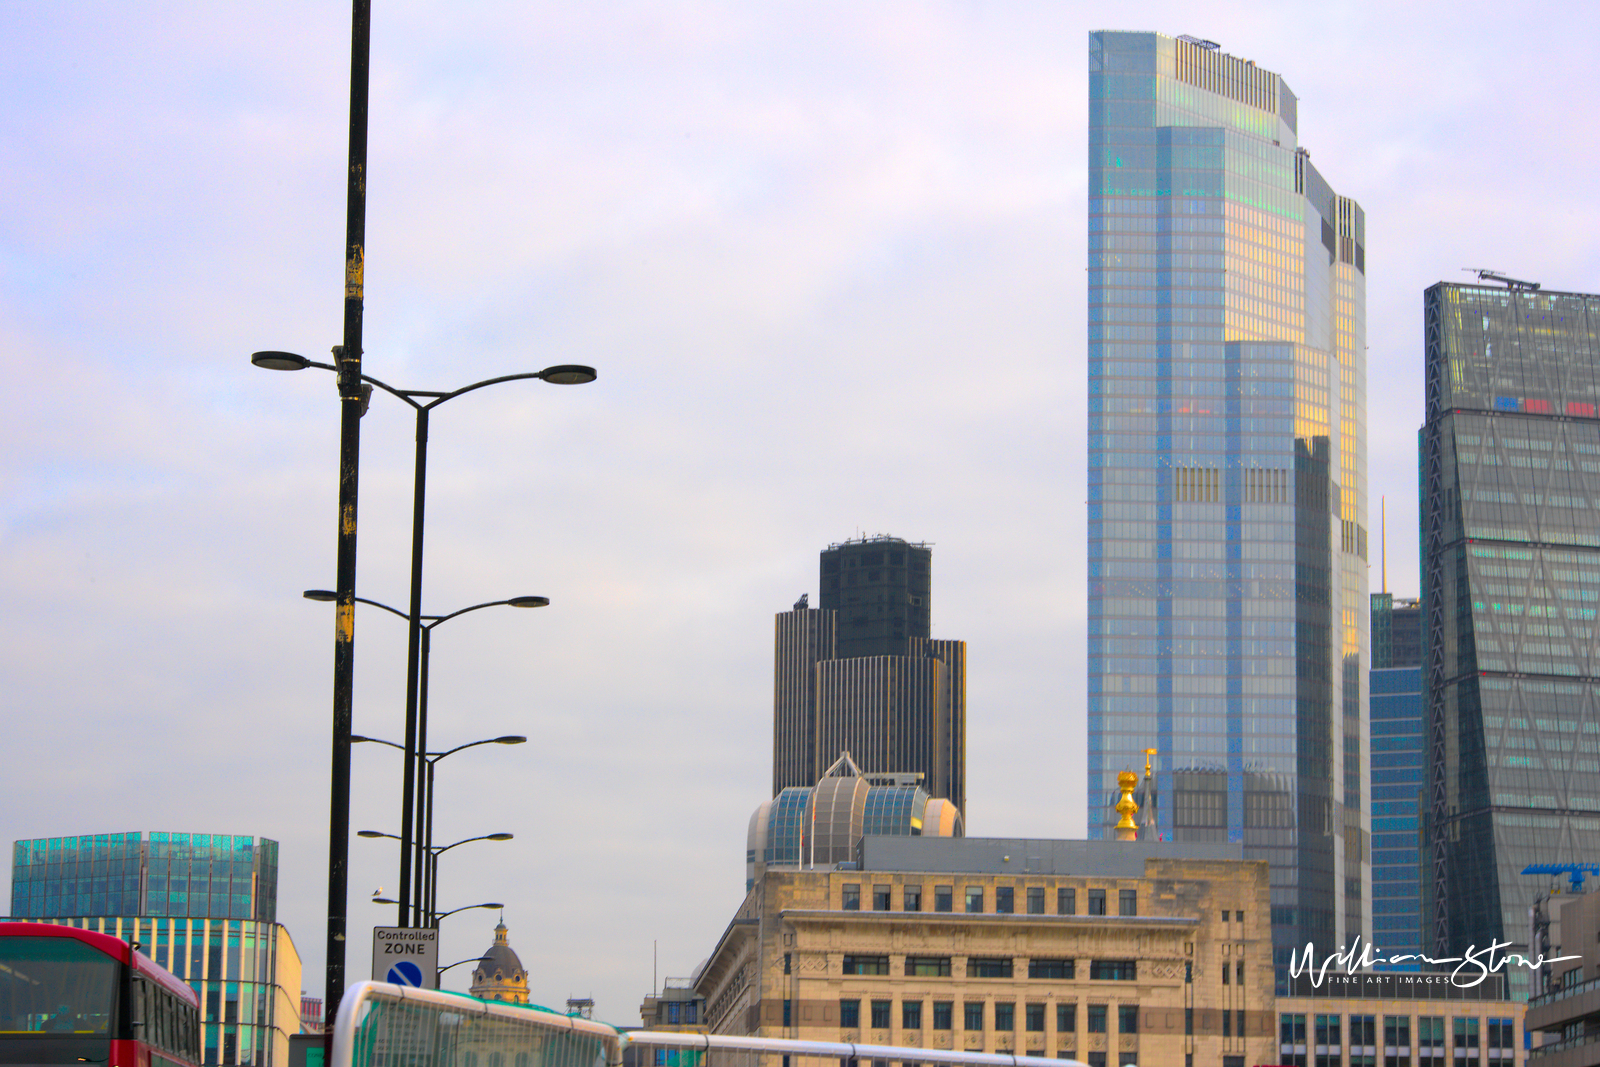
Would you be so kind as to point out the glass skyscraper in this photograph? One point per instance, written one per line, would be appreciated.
(1228, 606)
(1511, 583)
(204, 906)
(1397, 779)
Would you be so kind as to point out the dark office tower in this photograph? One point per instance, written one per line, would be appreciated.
(879, 587)
(1396, 632)
(1228, 605)
(1511, 577)
(1397, 778)
(860, 674)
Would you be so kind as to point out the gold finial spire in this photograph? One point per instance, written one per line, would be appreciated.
(1127, 807)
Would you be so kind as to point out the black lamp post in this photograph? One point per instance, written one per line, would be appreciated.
(411, 857)
(427, 881)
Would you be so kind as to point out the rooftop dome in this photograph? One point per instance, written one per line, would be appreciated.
(499, 975)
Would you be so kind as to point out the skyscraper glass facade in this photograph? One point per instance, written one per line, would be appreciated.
(219, 876)
(1511, 580)
(1228, 604)
(1397, 788)
(204, 906)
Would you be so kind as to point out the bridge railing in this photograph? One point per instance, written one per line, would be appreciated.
(383, 1025)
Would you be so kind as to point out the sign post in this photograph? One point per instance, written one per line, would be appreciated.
(406, 956)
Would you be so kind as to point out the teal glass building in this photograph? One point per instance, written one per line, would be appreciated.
(1511, 582)
(1398, 772)
(1228, 605)
(204, 906)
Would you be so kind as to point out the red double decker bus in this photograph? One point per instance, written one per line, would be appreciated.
(78, 997)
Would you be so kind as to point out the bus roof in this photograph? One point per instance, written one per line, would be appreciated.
(114, 947)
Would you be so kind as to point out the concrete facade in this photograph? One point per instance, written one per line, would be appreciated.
(1173, 960)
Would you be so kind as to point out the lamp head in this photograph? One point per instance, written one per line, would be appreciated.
(529, 602)
(384, 900)
(511, 739)
(370, 833)
(280, 361)
(491, 904)
(561, 374)
(500, 837)
(324, 595)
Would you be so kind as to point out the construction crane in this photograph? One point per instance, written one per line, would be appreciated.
(1510, 283)
(1573, 871)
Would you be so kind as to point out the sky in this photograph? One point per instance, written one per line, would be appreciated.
(829, 261)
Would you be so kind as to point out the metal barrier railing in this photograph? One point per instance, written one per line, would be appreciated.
(382, 1025)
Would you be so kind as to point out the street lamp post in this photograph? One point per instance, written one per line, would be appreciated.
(411, 856)
(427, 881)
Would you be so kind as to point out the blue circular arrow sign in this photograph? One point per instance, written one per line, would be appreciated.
(405, 973)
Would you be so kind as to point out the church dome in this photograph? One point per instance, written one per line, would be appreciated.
(499, 974)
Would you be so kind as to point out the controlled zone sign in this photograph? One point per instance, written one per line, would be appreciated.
(405, 955)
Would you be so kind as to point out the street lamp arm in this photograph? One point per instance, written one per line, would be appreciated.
(357, 738)
(446, 914)
(457, 963)
(469, 840)
(385, 607)
(437, 619)
(435, 757)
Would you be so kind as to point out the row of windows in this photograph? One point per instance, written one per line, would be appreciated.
(974, 1016)
(974, 898)
(1362, 1031)
(998, 967)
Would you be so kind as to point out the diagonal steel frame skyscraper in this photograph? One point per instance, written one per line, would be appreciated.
(1228, 605)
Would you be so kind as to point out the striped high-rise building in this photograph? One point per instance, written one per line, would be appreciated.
(861, 674)
(1510, 586)
(1228, 604)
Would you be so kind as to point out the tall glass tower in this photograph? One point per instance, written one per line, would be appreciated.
(1510, 587)
(1228, 605)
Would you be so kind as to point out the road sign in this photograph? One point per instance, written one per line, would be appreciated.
(404, 955)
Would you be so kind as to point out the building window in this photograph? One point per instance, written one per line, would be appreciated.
(1397, 1031)
(850, 1014)
(1226, 971)
(942, 1012)
(1430, 1031)
(788, 1014)
(1097, 1018)
(913, 901)
(1058, 969)
(1238, 916)
(1033, 1018)
(928, 966)
(1067, 1018)
(1127, 902)
(1127, 1018)
(1113, 970)
(851, 895)
(880, 898)
(1097, 902)
(1004, 900)
(1466, 1033)
(1363, 1028)
(989, 967)
(942, 897)
(787, 963)
(911, 1014)
(974, 900)
(973, 1015)
(1227, 1024)
(1188, 1021)
(1036, 900)
(1502, 1033)
(880, 1014)
(1238, 975)
(1005, 1016)
(1097, 1059)
(866, 965)
(1066, 902)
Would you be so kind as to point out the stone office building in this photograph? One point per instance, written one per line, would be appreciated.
(1106, 952)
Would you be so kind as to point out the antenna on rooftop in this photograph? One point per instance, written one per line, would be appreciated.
(1515, 284)
(1210, 46)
